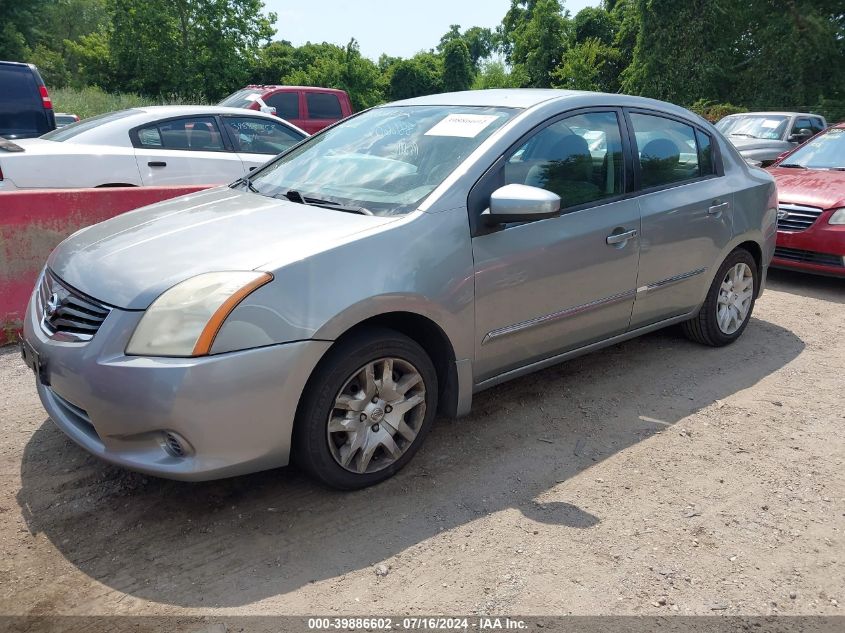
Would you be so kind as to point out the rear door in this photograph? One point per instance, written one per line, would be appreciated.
(686, 205)
(322, 109)
(256, 139)
(185, 150)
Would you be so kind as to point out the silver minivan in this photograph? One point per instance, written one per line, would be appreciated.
(324, 309)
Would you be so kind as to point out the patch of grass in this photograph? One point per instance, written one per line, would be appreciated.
(91, 101)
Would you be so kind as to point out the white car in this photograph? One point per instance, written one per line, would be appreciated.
(159, 145)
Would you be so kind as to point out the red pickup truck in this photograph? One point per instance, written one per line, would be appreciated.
(308, 108)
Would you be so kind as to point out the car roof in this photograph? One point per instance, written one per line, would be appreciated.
(526, 98)
(772, 113)
(500, 97)
(291, 88)
(180, 110)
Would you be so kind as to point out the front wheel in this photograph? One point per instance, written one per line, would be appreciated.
(729, 303)
(366, 410)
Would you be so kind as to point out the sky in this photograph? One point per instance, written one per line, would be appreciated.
(399, 28)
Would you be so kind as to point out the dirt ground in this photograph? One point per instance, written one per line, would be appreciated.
(654, 477)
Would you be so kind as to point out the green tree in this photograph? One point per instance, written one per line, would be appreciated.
(187, 47)
(683, 50)
(479, 42)
(594, 23)
(458, 70)
(19, 23)
(584, 66)
(418, 76)
(333, 66)
(539, 40)
(494, 74)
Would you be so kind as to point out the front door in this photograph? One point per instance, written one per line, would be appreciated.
(546, 287)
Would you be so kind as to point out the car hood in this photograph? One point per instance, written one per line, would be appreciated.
(813, 187)
(746, 144)
(131, 259)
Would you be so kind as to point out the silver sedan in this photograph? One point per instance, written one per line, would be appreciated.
(324, 309)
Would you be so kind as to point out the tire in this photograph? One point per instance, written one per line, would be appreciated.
(374, 439)
(705, 327)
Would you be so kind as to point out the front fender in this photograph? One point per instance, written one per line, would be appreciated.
(422, 266)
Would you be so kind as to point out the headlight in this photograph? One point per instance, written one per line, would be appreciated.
(184, 320)
(838, 217)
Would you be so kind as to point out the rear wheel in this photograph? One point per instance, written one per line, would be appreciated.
(366, 410)
(729, 303)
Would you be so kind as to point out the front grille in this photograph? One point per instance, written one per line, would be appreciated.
(67, 313)
(797, 217)
(808, 257)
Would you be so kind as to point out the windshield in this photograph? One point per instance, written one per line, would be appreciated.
(762, 126)
(826, 151)
(241, 99)
(386, 160)
(69, 131)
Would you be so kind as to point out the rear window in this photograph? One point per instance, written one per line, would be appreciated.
(22, 112)
(240, 99)
(322, 105)
(74, 129)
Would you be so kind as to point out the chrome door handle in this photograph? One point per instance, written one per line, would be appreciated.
(619, 238)
(718, 208)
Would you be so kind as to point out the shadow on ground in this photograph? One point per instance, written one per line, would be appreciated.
(805, 285)
(234, 542)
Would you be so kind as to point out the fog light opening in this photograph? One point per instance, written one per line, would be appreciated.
(175, 445)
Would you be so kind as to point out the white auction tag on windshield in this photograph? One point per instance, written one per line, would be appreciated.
(770, 123)
(255, 96)
(463, 125)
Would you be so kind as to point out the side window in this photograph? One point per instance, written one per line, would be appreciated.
(667, 150)
(578, 158)
(286, 104)
(322, 105)
(801, 124)
(706, 162)
(817, 125)
(260, 136)
(197, 133)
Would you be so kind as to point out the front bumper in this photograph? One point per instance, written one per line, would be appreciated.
(235, 411)
(819, 249)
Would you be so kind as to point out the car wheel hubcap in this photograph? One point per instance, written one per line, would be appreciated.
(734, 300)
(377, 415)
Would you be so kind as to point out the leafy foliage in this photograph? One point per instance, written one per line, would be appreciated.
(707, 54)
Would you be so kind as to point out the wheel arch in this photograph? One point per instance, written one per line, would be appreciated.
(431, 337)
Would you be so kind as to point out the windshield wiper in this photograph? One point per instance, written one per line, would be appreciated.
(245, 180)
(295, 196)
(792, 165)
(743, 134)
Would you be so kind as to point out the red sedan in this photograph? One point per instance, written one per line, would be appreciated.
(811, 207)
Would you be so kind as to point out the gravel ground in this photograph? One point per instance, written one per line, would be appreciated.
(654, 477)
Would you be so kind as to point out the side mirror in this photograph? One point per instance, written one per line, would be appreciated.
(268, 109)
(800, 136)
(521, 203)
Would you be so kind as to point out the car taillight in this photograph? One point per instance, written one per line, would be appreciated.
(45, 97)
